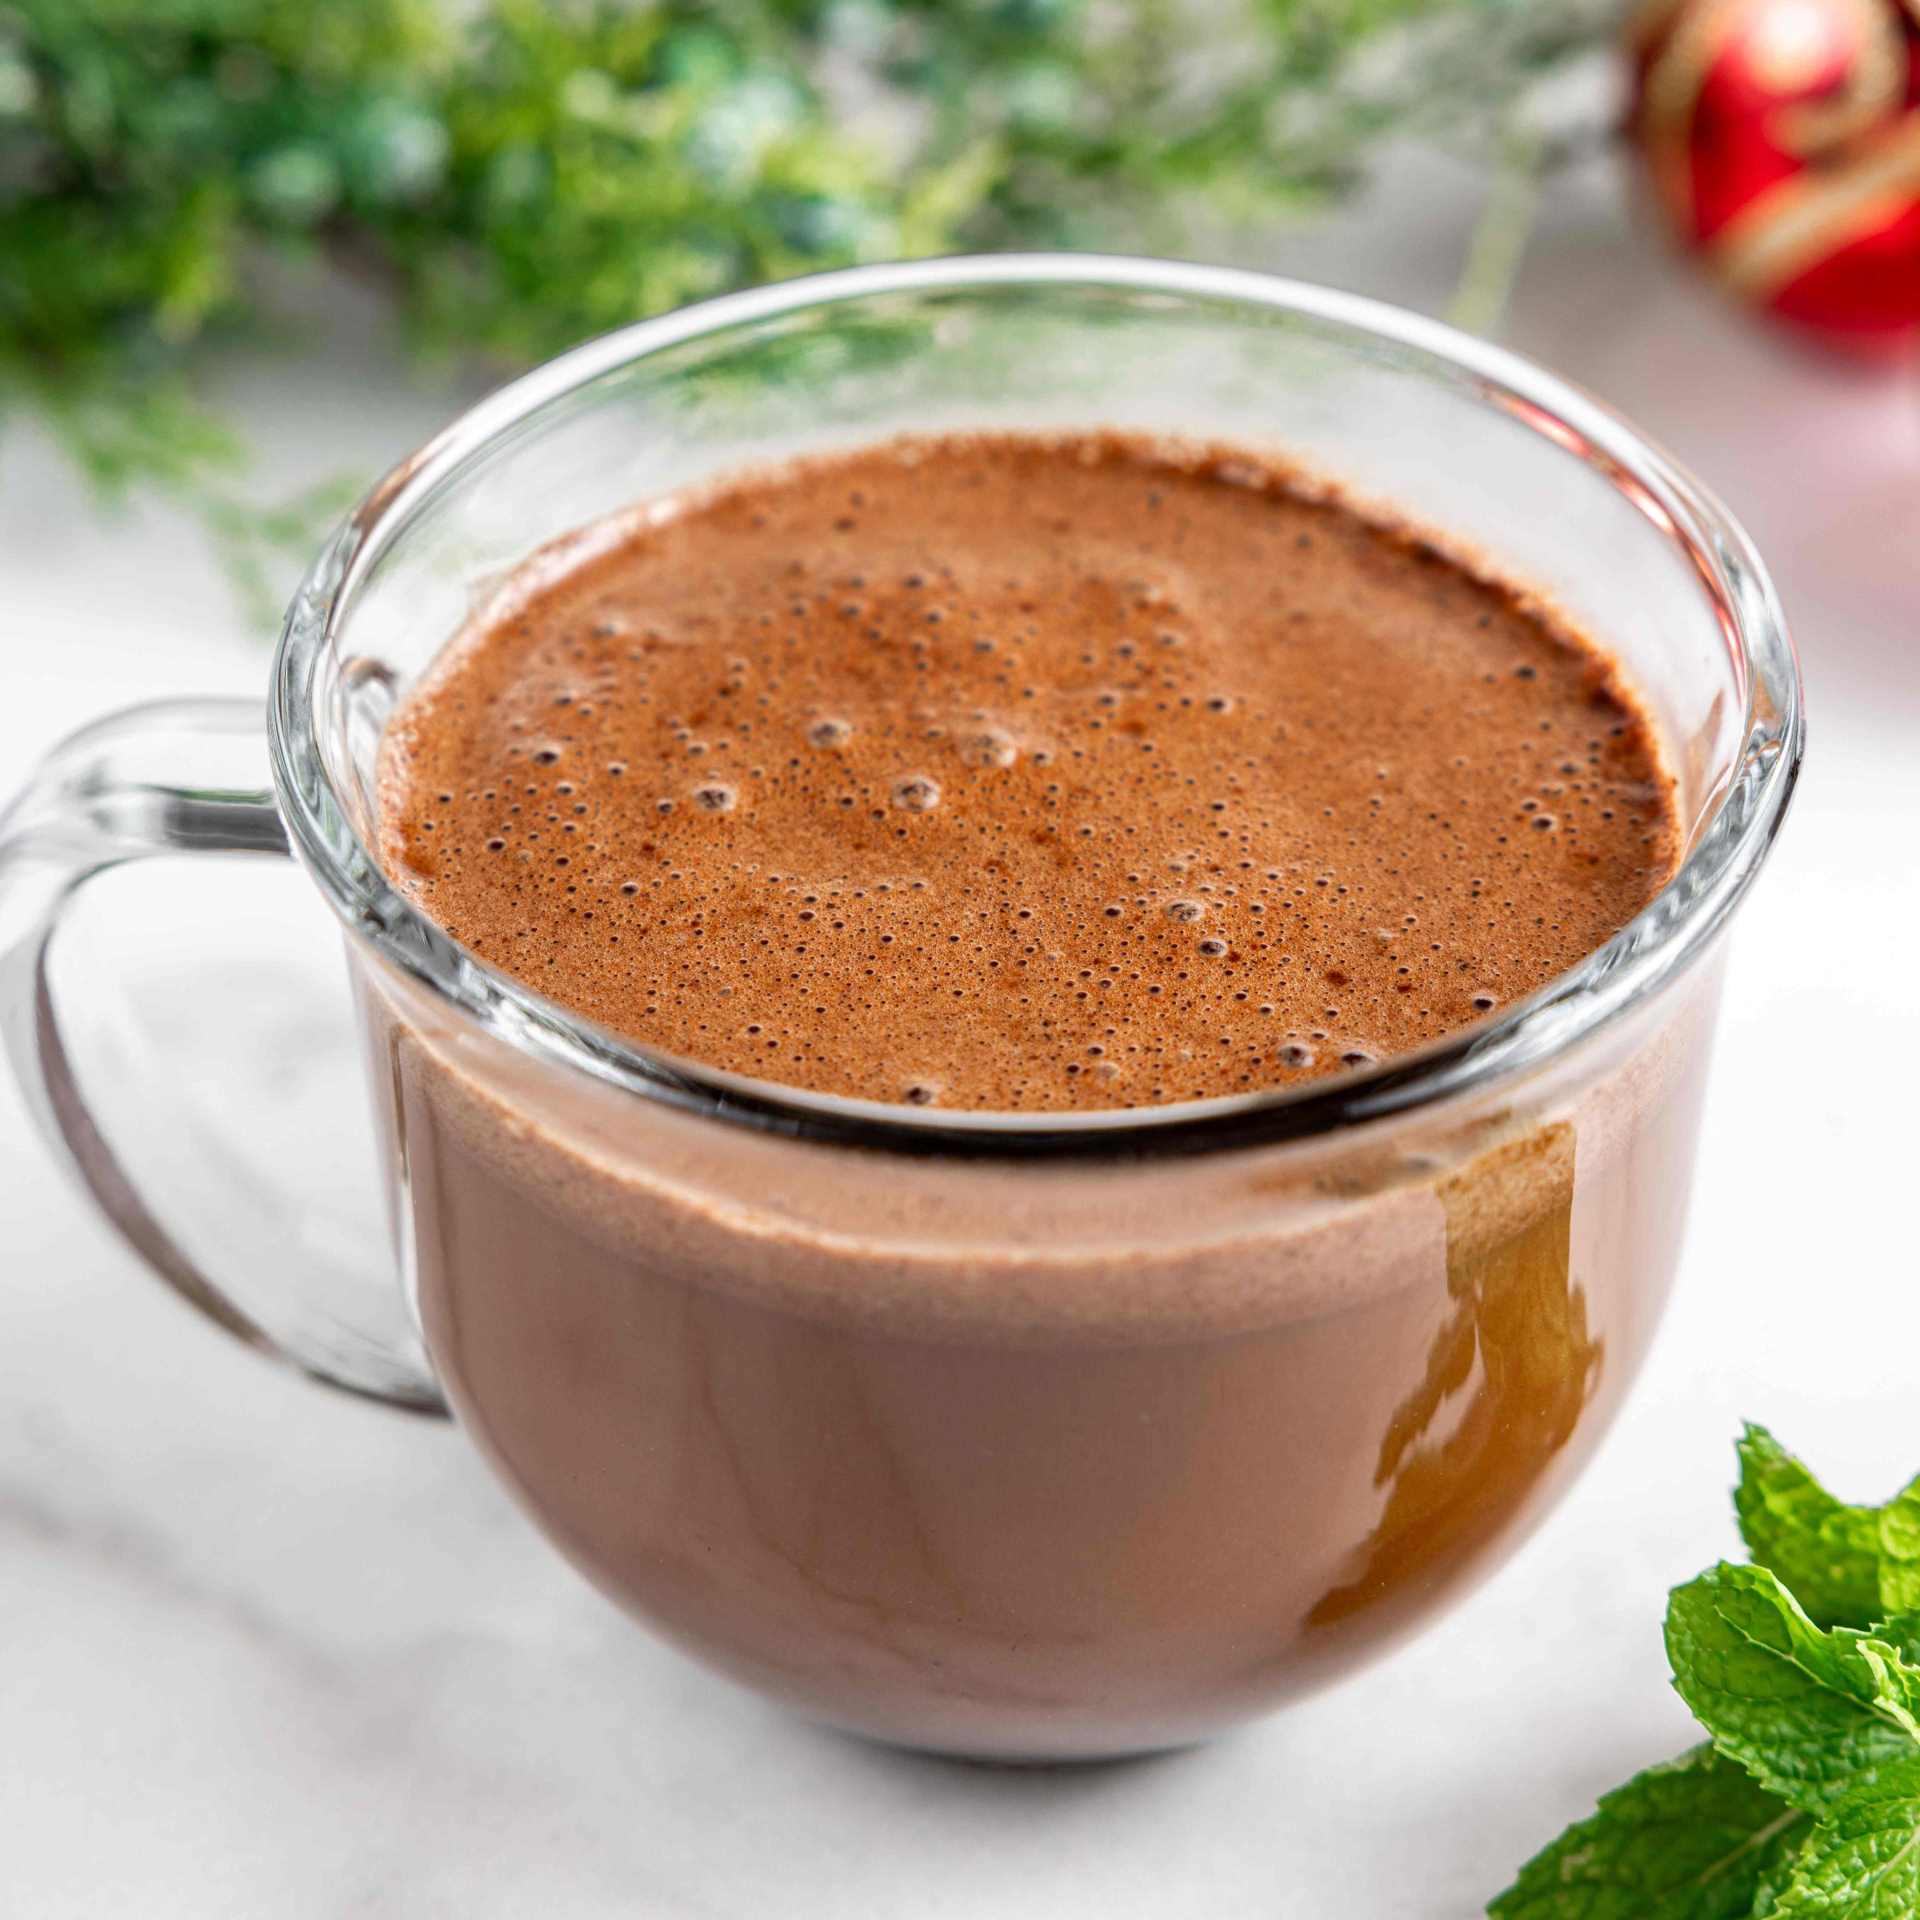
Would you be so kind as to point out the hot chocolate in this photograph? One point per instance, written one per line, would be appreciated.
(1028, 774)
(1023, 773)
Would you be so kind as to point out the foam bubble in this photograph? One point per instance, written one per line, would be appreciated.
(988, 747)
(916, 793)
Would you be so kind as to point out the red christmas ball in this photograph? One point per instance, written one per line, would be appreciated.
(1782, 141)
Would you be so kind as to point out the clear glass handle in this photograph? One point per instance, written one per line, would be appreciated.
(226, 1226)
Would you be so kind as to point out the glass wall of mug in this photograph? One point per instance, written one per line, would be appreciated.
(1024, 1437)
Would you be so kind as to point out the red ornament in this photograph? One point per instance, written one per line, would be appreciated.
(1782, 138)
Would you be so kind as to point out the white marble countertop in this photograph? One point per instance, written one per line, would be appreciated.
(268, 1652)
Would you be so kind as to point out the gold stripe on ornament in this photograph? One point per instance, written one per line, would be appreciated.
(1674, 83)
(1803, 221)
(1649, 19)
(1871, 87)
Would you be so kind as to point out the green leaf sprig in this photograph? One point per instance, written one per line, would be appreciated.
(511, 175)
(1803, 1667)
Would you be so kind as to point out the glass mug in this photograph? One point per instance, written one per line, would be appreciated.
(1023, 1437)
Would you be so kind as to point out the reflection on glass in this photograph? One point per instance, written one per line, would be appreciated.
(1506, 1378)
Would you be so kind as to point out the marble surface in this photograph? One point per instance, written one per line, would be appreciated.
(269, 1652)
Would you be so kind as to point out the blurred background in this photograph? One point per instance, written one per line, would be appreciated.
(266, 1652)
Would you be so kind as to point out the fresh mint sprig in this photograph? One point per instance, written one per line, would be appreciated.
(1811, 1713)
(1804, 1670)
(1691, 1840)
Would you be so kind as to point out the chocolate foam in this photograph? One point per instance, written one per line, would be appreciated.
(1025, 773)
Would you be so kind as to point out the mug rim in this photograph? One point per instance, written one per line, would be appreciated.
(1636, 963)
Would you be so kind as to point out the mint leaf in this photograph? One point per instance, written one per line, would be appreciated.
(1896, 1681)
(1863, 1861)
(1848, 1566)
(1804, 1668)
(1900, 1631)
(1693, 1840)
(1898, 1543)
(1779, 1876)
(1811, 1715)
(1826, 1551)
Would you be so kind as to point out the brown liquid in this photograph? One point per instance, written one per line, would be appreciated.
(1000, 1457)
(1026, 773)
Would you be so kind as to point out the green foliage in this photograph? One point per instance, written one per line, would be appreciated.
(1694, 1839)
(1806, 1801)
(1824, 1549)
(1810, 1713)
(1863, 1864)
(520, 173)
